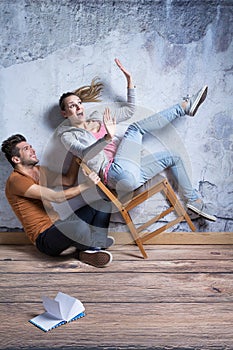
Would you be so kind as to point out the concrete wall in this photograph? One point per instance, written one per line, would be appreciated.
(171, 47)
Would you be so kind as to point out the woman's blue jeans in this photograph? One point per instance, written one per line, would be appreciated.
(130, 169)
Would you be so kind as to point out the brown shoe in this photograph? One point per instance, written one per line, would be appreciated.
(97, 258)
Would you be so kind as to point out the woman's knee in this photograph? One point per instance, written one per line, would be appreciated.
(174, 159)
(126, 182)
(134, 128)
(177, 159)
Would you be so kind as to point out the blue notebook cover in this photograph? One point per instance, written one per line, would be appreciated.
(48, 326)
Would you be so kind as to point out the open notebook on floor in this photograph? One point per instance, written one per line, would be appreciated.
(60, 310)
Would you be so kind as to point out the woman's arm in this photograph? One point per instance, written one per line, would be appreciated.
(72, 143)
(126, 74)
(126, 111)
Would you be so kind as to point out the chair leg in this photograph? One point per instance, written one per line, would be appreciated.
(175, 204)
(170, 194)
(134, 232)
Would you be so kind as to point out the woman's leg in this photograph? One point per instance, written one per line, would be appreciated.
(125, 170)
(125, 173)
(189, 106)
(160, 120)
(154, 164)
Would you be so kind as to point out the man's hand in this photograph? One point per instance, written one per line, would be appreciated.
(94, 178)
(109, 123)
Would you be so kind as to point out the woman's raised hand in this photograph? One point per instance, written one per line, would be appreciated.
(126, 73)
(109, 123)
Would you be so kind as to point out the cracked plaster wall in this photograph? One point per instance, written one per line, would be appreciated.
(171, 47)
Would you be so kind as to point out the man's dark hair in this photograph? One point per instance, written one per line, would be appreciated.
(9, 147)
(62, 98)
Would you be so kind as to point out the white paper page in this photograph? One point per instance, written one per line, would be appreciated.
(69, 306)
(45, 321)
(53, 307)
(76, 309)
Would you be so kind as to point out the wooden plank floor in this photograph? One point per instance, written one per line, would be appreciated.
(179, 298)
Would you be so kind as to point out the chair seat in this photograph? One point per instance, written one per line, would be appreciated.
(143, 189)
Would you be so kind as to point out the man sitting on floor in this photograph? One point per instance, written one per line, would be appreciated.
(28, 192)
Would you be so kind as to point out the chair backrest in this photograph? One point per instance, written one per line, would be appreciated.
(101, 185)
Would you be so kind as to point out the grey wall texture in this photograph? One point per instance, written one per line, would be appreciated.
(172, 48)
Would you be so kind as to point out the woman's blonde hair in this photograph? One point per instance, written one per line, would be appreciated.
(90, 93)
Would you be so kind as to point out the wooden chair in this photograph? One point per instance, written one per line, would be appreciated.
(157, 184)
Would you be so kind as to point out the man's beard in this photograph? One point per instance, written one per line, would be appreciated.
(30, 162)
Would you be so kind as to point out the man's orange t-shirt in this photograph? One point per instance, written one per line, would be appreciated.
(35, 215)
